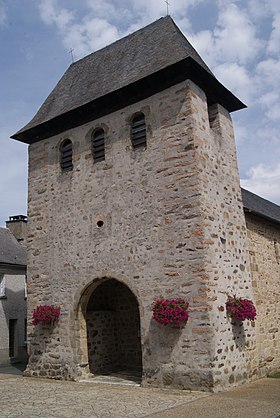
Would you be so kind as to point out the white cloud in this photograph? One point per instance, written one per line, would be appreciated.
(103, 22)
(3, 13)
(259, 9)
(90, 35)
(84, 35)
(233, 39)
(264, 181)
(51, 13)
(236, 78)
(269, 72)
(274, 5)
(204, 43)
(13, 174)
(101, 8)
(269, 132)
(150, 10)
(241, 133)
(235, 35)
(274, 42)
(271, 102)
(270, 98)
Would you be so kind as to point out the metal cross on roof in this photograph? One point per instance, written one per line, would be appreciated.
(71, 52)
(167, 7)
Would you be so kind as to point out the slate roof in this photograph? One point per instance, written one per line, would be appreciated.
(146, 52)
(11, 251)
(260, 207)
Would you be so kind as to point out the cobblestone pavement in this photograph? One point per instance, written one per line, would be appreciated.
(33, 398)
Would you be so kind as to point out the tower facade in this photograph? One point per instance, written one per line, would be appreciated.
(134, 195)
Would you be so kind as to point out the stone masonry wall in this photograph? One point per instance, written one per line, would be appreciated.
(226, 268)
(173, 226)
(264, 245)
(221, 229)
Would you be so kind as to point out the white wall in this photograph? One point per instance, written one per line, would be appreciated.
(13, 306)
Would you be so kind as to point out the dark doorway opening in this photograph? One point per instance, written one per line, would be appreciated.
(113, 331)
(12, 338)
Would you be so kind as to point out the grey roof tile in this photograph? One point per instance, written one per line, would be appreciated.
(11, 251)
(119, 64)
(261, 207)
(145, 52)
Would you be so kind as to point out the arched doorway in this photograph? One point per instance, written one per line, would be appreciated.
(113, 331)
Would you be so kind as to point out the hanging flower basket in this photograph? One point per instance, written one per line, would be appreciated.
(240, 309)
(45, 315)
(171, 311)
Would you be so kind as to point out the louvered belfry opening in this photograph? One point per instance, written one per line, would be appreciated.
(66, 153)
(98, 145)
(138, 131)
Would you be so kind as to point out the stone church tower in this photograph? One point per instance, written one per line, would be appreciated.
(134, 194)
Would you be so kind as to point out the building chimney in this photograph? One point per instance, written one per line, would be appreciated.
(18, 227)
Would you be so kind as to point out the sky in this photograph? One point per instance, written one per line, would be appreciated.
(238, 39)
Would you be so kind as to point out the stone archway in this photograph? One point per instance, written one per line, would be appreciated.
(113, 330)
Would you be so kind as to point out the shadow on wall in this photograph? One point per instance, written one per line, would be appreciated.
(43, 341)
(162, 341)
(238, 334)
(15, 312)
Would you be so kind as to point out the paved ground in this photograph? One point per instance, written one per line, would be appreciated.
(15, 369)
(260, 399)
(30, 398)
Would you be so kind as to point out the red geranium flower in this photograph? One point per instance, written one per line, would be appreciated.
(45, 314)
(171, 311)
(240, 308)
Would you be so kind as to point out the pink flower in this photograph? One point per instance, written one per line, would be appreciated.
(240, 308)
(170, 311)
(45, 314)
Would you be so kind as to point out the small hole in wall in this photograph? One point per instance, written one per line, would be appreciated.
(99, 224)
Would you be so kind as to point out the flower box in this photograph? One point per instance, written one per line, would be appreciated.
(171, 311)
(240, 308)
(45, 315)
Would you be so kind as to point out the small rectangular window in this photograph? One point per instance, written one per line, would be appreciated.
(2, 286)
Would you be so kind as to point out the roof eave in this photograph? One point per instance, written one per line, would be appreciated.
(261, 215)
(185, 69)
(12, 267)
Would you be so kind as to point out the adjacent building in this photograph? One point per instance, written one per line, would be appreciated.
(13, 291)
